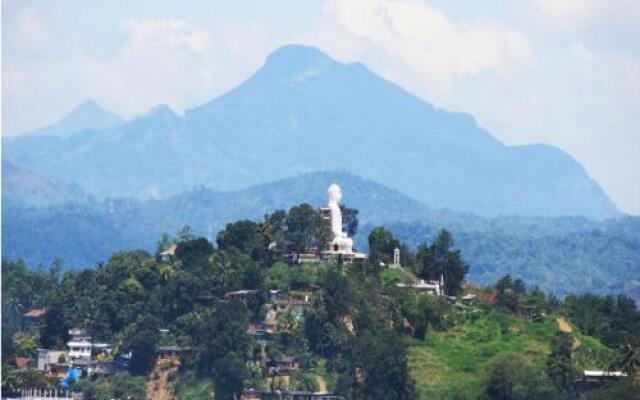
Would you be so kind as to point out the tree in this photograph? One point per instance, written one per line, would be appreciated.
(386, 375)
(141, 339)
(244, 235)
(506, 295)
(381, 246)
(229, 373)
(349, 220)
(559, 369)
(223, 340)
(186, 233)
(440, 259)
(301, 227)
(164, 243)
(511, 378)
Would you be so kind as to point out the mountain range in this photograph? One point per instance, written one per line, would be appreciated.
(303, 112)
(93, 183)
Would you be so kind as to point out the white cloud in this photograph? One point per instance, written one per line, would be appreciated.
(521, 88)
(571, 15)
(419, 38)
(163, 35)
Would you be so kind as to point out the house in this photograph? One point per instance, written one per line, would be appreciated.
(35, 313)
(281, 366)
(79, 347)
(33, 317)
(260, 330)
(432, 287)
(48, 359)
(169, 253)
(532, 312)
(240, 294)
(468, 299)
(594, 379)
(174, 351)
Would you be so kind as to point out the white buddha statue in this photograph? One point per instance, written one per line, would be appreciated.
(341, 243)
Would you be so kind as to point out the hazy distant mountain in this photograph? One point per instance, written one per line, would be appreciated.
(25, 188)
(86, 115)
(303, 112)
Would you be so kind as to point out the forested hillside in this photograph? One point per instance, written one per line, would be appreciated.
(358, 334)
(560, 256)
(571, 254)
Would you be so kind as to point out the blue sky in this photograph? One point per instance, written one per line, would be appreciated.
(565, 72)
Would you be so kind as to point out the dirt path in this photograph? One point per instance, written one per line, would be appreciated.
(565, 327)
(322, 385)
(158, 383)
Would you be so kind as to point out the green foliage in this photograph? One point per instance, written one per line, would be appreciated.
(616, 321)
(560, 255)
(141, 338)
(441, 259)
(349, 220)
(119, 386)
(190, 387)
(381, 246)
(512, 378)
(559, 367)
(424, 312)
(222, 353)
(354, 333)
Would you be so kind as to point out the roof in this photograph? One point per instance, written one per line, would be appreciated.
(240, 292)
(35, 313)
(604, 373)
(22, 362)
(171, 251)
(286, 359)
(173, 348)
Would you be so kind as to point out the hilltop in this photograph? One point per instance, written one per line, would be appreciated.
(238, 320)
(550, 252)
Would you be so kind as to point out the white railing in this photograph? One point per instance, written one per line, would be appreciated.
(48, 394)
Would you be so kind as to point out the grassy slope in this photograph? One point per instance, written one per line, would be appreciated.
(457, 362)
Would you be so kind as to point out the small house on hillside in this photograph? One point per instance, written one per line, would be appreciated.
(281, 366)
(175, 352)
(240, 294)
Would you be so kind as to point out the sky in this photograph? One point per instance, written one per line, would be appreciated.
(565, 73)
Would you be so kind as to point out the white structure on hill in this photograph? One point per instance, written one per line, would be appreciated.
(341, 244)
(433, 287)
(396, 258)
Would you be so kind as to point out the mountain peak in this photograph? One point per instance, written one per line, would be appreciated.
(296, 58)
(86, 115)
(86, 106)
(162, 110)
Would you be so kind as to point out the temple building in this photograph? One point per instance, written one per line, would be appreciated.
(341, 245)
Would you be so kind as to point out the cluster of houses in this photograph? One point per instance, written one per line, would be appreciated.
(83, 353)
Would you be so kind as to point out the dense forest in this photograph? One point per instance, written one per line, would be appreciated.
(361, 336)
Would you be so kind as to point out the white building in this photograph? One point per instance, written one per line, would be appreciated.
(79, 348)
(433, 287)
